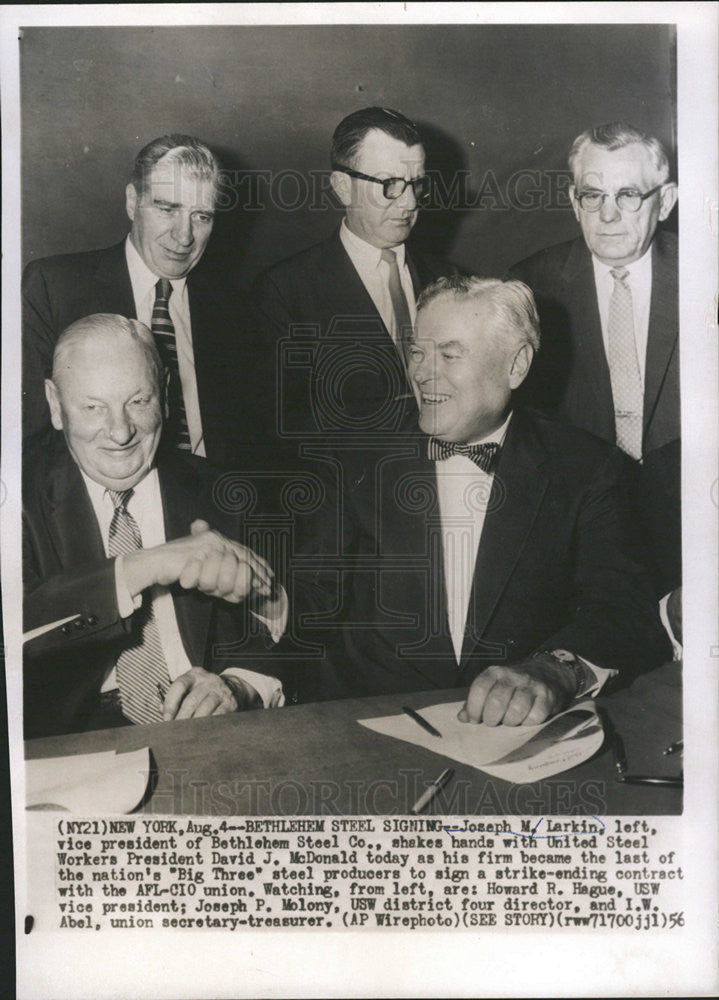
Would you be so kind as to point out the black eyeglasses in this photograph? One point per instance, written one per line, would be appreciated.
(393, 187)
(626, 199)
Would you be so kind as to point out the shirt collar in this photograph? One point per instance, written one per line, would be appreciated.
(497, 435)
(638, 270)
(100, 494)
(360, 250)
(143, 280)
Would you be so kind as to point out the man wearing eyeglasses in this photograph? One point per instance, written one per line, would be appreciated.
(338, 314)
(608, 308)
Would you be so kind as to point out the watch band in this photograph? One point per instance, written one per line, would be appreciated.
(578, 668)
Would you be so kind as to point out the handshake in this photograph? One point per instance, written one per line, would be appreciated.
(204, 560)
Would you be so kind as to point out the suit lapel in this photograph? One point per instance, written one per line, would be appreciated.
(73, 526)
(352, 302)
(195, 612)
(578, 276)
(416, 527)
(112, 276)
(663, 324)
(517, 492)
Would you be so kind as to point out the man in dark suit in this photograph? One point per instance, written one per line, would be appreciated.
(608, 308)
(134, 607)
(336, 314)
(494, 550)
(156, 275)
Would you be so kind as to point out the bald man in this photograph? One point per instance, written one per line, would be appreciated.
(133, 598)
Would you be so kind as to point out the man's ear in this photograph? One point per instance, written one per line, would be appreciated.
(342, 186)
(667, 200)
(575, 203)
(131, 200)
(53, 401)
(521, 364)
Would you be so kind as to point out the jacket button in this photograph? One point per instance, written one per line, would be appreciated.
(91, 620)
(79, 623)
(67, 629)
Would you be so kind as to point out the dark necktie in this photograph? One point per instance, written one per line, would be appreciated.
(402, 319)
(141, 668)
(483, 455)
(175, 431)
(624, 369)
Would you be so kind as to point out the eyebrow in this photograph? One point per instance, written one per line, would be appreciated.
(457, 345)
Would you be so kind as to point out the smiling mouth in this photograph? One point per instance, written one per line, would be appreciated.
(121, 450)
(434, 398)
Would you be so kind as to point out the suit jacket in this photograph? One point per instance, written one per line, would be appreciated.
(556, 567)
(59, 290)
(570, 378)
(336, 369)
(66, 573)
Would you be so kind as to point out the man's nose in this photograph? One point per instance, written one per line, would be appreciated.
(609, 212)
(182, 231)
(120, 428)
(408, 199)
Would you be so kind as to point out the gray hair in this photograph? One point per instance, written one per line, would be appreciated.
(113, 324)
(512, 302)
(187, 151)
(616, 135)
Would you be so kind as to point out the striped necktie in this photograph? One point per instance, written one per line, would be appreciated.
(175, 431)
(624, 372)
(141, 668)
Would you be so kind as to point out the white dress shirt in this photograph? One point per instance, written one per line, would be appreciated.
(463, 492)
(639, 281)
(374, 273)
(143, 282)
(146, 508)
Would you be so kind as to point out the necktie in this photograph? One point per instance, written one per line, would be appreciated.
(402, 319)
(141, 668)
(483, 455)
(176, 431)
(624, 367)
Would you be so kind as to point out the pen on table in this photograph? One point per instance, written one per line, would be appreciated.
(645, 779)
(673, 748)
(422, 722)
(620, 755)
(436, 786)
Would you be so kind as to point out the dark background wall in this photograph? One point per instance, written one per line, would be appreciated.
(499, 106)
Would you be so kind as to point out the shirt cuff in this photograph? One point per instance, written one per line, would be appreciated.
(600, 674)
(677, 647)
(126, 603)
(274, 614)
(268, 688)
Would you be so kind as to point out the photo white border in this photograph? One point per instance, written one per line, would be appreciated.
(419, 964)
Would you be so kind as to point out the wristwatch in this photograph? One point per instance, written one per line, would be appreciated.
(578, 668)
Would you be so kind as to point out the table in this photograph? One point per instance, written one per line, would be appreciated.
(316, 759)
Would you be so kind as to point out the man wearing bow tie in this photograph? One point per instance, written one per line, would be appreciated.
(493, 550)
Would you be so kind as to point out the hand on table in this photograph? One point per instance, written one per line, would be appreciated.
(197, 693)
(527, 693)
(674, 613)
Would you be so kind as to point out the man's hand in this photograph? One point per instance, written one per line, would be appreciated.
(525, 694)
(674, 613)
(203, 560)
(198, 692)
